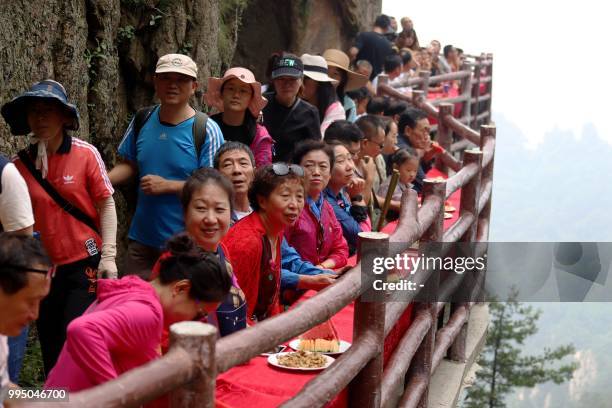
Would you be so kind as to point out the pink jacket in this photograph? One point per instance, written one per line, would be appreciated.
(120, 331)
(306, 235)
(262, 146)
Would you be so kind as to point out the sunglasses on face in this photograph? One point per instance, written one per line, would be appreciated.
(282, 169)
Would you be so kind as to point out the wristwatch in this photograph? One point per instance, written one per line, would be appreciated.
(356, 198)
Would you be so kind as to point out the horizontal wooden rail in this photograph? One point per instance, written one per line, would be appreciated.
(449, 286)
(487, 152)
(415, 389)
(485, 195)
(399, 362)
(461, 178)
(446, 335)
(450, 76)
(456, 99)
(481, 98)
(321, 389)
(241, 346)
(462, 130)
(459, 227)
(143, 384)
(408, 230)
(462, 144)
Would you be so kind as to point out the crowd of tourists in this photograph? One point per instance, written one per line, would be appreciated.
(237, 213)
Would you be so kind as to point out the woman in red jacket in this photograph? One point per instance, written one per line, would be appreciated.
(254, 242)
(317, 234)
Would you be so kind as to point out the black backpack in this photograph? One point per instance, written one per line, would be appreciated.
(130, 190)
(198, 129)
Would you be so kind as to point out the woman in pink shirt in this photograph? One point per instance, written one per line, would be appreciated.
(122, 329)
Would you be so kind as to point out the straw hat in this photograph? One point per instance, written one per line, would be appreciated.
(315, 68)
(213, 96)
(338, 59)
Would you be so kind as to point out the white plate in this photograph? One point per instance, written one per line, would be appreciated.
(344, 345)
(273, 360)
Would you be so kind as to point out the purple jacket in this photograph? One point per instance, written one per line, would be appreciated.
(262, 146)
(318, 242)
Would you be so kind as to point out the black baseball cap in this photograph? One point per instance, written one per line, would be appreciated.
(288, 65)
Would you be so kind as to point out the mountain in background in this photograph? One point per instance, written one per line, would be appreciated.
(559, 191)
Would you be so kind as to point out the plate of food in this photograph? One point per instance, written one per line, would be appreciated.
(301, 361)
(449, 208)
(448, 216)
(328, 347)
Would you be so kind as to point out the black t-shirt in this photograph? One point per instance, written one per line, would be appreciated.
(233, 133)
(374, 48)
(288, 126)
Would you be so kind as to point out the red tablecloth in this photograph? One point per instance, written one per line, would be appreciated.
(257, 384)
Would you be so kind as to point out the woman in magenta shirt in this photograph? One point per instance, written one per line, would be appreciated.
(122, 329)
(317, 234)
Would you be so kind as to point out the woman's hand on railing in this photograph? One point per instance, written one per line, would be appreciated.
(316, 282)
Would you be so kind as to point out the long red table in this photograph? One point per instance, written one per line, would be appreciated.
(257, 384)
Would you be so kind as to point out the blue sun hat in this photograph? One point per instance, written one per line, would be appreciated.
(15, 112)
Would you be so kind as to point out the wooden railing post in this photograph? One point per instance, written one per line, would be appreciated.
(364, 389)
(487, 132)
(469, 204)
(444, 134)
(490, 87)
(198, 339)
(465, 89)
(425, 84)
(476, 93)
(421, 365)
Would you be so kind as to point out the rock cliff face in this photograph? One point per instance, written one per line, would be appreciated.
(104, 51)
(299, 26)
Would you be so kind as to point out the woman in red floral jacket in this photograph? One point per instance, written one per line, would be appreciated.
(254, 243)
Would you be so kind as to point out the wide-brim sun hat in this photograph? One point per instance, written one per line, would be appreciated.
(338, 59)
(315, 68)
(15, 111)
(214, 98)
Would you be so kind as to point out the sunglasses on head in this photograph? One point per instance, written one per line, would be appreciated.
(22, 268)
(282, 169)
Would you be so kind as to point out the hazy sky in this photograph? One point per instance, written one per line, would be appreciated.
(544, 51)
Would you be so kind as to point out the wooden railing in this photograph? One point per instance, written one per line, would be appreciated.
(188, 371)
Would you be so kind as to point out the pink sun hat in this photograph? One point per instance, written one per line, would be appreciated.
(213, 95)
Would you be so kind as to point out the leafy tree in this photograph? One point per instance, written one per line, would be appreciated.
(503, 366)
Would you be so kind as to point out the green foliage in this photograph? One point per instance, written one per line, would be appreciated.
(94, 55)
(124, 34)
(503, 365)
(185, 48)
(32, 372)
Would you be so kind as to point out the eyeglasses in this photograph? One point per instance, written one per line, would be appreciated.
(22, 268)
(282, 169)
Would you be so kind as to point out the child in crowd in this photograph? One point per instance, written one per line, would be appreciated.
(406, 161)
